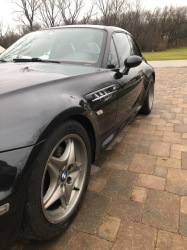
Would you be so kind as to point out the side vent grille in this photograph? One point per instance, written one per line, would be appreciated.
(104, 94)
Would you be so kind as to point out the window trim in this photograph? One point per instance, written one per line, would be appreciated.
(121, 32)
(112, 39)
(129, 35)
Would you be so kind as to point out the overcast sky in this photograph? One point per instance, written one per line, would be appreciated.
(6, 8)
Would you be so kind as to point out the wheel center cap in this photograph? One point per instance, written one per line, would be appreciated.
(63, 176)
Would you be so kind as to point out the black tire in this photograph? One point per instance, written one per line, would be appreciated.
(148, 102)
(35, 225)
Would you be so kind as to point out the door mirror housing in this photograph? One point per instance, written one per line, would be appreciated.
(133, 61)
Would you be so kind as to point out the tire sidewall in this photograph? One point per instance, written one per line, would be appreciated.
(40, 225)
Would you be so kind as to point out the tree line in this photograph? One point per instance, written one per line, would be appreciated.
(154, 30)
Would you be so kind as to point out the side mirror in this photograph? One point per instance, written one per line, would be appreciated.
(133, 61)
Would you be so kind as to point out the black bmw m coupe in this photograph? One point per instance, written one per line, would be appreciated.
(65, 93)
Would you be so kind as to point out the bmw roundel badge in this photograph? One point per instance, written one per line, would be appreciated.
(63, 176)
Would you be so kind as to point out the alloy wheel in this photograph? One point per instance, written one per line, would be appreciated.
(64, 178)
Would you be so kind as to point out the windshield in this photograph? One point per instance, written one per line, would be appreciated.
(81, 45)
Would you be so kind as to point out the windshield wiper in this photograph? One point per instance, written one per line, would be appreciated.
(34, 60)
(1, 60)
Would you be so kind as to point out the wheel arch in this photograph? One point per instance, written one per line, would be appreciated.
(153, 74)
(85, 122)
(78, 115)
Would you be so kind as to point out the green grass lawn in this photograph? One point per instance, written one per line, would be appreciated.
(170, 54)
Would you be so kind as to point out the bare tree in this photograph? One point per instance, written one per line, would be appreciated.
(8, 38)
(26, 11)
(49, 13)
(110, 10)
(88, 15)
(70, 10)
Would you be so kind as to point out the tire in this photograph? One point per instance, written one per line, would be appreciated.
(68, 146)
(148, 102)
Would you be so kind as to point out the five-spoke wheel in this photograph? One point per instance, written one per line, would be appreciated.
(64, 178)
(58, 182)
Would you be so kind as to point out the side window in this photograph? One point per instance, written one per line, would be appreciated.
(122, 46)
(135, 49)
(112, 57)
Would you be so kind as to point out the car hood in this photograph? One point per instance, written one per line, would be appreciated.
(15, 76)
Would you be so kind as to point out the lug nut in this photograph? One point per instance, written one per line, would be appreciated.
(69, 180)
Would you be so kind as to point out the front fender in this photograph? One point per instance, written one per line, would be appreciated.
(25, 114)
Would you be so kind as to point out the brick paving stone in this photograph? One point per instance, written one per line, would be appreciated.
(141, 149)
(117, 164)
(132, 138)
(178, 120)
(168, 115)
(184, 155)
(158, 122)
(175, 154)
(143, 163)
(91, 212)
(114, 151)
(177, 181)
(152, 137)
(172, 137)
(150, 181)
(145, 143)
(100, 161)
(109, 228)
(126, 209)
(146, 129)
(160, 171)
(159, 148)
(176, 110)
(168, 162)
(139, 194)
(158, 132)
(118, 139)
(96, 184)
(184, 135)
(105, 173)
(158, 105)
(127, 157)
(183, 224)
(181, 128)
(135, 236)
(183, 207)
(162, 210)
(94, 170)
(184, 141)
(179, 147)
(164, 128)
(120, 183)
(83, 241)
(133, 130)
(184, 164)
(131, 149)
(59, 243)
(169, 124)
(171, 241)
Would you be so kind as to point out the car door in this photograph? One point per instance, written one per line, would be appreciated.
(130, 85)
(103, 102)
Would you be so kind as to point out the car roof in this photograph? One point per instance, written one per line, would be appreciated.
(102, 27)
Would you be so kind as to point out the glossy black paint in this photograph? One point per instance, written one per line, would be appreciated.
(36, 97)
(133, 61)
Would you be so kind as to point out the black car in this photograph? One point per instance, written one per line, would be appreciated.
(65, 93)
